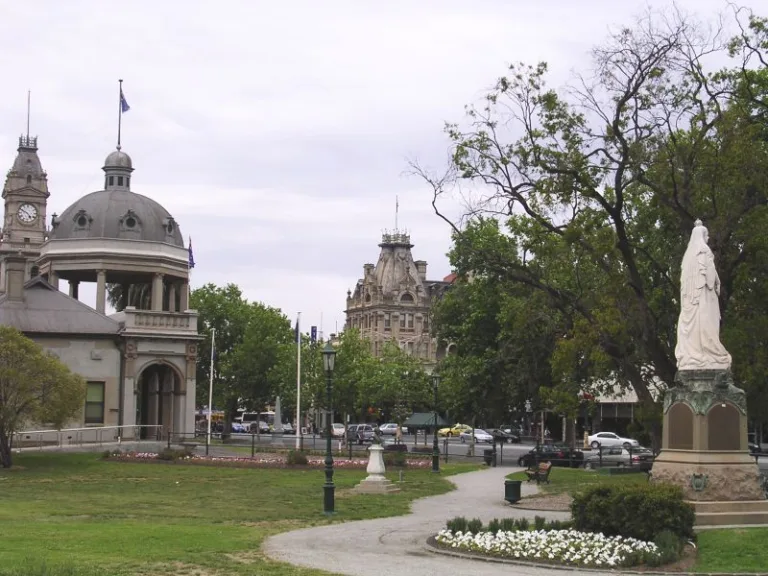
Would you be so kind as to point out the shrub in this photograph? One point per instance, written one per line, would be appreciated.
(395, 460)
(539, 523)
(170, 454)
(296, 458)
(670, 548)
(475, 526)
(509, 524)
(494, 526)
(458, 524)
(523, 524)
(639, 511)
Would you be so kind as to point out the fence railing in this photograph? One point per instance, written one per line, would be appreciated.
(96, 435)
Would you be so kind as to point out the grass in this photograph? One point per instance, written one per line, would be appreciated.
(571, 480)
(734, 550)
(77, 515)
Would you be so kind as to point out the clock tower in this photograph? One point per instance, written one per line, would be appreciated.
(25, 195)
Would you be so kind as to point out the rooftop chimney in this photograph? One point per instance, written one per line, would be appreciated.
(15, 269)
(421, 268)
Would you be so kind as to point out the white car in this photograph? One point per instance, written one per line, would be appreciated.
(480, 436)
(611, 439)
(337, 430)
(390, 429)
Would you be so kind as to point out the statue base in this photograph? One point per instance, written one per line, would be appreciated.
(705, 450)
(376, 482)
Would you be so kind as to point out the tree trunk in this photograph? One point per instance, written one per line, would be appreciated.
(5, 450)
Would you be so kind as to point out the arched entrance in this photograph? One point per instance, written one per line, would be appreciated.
(158, 410)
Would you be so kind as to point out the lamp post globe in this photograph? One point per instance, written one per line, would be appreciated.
(435, 449)
(329, 359)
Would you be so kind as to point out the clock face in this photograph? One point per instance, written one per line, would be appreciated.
(27, 213)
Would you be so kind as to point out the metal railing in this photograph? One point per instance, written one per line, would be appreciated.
(95, 435)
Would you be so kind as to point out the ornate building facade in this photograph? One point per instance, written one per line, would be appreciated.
(139, 364)
(393, 301)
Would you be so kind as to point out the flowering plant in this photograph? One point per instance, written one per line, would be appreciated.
(568, 547)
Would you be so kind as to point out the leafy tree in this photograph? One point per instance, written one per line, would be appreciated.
(35, 386)
(588, 196)
(228, 312)
(139, 296)
(263, 360)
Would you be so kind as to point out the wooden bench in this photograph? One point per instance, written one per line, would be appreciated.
(539, 473)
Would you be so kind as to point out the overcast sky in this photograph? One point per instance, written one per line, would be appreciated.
(277, 133)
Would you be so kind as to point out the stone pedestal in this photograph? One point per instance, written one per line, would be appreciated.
(376, 482)
(705, 450)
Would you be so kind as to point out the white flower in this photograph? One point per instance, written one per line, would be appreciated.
(564, 546)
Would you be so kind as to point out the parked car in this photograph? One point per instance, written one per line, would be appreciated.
(360, 433)
(620, 457)
(754, 448)
(337, 430)
(557, 454)
(454, 430)
(288, 428)
(611, 439)
(502, 437)
(390, 429)
(479, 434)
(256, 427)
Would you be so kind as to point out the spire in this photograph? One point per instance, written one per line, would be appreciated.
(27, 171)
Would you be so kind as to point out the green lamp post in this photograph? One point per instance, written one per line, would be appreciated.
(435, 449)
(329, 359)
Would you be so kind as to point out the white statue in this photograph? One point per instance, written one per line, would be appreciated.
(698, 328)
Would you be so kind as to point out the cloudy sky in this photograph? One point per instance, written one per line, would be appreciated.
(278, 133)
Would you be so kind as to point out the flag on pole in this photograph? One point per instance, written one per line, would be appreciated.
(313, 334)
(298, 334)
(191, 263)
(123, 102)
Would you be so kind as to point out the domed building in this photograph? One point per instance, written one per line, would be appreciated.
(140, 362)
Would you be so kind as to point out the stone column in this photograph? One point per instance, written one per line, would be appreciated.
(74, 288)
(172, 297)
(53, 279)
(184, 297)
(101, 291)
(157, 292)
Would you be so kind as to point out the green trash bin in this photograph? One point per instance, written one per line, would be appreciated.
(512, 490)
(489, 456)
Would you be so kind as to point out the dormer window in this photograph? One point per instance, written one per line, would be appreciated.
(82, 221)
(406, 298)
(130, 224)
(169, 225)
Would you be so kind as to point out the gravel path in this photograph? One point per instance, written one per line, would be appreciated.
(395, 546)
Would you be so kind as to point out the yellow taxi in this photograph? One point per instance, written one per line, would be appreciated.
(455, 430)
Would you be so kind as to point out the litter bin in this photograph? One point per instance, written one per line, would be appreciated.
(512, 490)
(489, 456)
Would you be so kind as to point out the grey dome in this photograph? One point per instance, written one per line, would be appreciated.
(120, 214)
(118, 159)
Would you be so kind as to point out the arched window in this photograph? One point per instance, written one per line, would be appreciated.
(407, 298)
(29, 178)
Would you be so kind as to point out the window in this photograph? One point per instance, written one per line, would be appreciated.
(387, 321)
(402, 320)
(111, 180)
(119, 180)
(410, 320)
(406, 298)
(29, 178)
(94, 403)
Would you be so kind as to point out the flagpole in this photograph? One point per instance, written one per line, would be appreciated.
(210, 387)
(299, 439)
(119, 113)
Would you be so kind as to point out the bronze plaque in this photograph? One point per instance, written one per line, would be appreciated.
(680, 423)
(724, 427)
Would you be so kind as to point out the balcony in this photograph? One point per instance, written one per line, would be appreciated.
(158, 323)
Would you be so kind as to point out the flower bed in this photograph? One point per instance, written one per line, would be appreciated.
(568, 547)
(258, 461)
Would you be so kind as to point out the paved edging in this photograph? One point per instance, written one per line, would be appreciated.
(431, 546)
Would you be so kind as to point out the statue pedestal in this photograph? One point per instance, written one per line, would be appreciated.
(376, 482)
(705, 451)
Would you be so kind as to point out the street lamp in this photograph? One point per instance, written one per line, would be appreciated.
(435, 450)
(329, 359)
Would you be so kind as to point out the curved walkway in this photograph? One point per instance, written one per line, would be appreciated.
(396, 545)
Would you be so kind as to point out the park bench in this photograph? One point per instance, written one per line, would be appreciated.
(540, 473)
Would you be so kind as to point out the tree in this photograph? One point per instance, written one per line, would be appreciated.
(35, 387)
(263, 360)
(589, 197)
(139, 296)
(225, 310)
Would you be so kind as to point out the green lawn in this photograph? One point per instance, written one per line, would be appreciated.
(571, 480)
(77, 515)
(735, 550)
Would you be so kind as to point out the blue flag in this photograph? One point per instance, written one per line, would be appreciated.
(298, 334)
(313, 334)
(123, 102)
(191, 263)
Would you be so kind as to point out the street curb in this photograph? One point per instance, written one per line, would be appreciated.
(431, 546)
